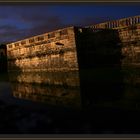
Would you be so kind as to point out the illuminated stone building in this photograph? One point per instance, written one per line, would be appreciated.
(60, 50)
(94, 53)
(47, 52)
(129, 33)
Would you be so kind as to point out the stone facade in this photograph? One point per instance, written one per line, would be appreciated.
(70, 78)
(116, 24)
(130, 42)
(52, 95)
(129, 34)
(57, 50)
(92, 57)
(52, 51)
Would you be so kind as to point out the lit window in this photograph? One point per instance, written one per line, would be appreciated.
(16, 44)
(40, 38)
(23, 42)
(10, 46)
(31, 40)
(59, 44)
(51, 35)
(63, 32)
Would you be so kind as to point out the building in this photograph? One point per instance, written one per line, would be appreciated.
(117, 24)
(96, 53)
(57, 50)
(51, 51)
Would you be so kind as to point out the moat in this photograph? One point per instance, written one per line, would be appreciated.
(59, 108)
(36, 108)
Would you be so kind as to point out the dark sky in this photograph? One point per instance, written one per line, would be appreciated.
(21, 21)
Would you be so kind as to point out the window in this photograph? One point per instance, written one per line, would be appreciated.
(31, 40)
(23, 42)
(59, 44)
(40, 38)
(63, 32)
(10, 46)
(16, 44)
(51, 35)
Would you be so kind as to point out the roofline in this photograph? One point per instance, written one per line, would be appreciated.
(112, 20)
(42, 34)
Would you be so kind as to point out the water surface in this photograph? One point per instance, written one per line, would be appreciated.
(54, 103)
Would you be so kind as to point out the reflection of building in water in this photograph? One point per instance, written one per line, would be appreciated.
(54, 88)
(47, 78)
(52, 95)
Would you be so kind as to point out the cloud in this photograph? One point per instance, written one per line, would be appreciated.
(49, 24)
(9, 33)
(25, 21)
(31, 25)
(21, 21)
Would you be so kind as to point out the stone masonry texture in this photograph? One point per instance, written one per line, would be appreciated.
(73, 47)
(48, 52)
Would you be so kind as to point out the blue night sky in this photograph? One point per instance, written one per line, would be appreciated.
(21, 21)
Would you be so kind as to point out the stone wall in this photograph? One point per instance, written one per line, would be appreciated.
(53, 51)
(130, 42)
(129, 35)
(58, 50)
(120, 23)
(65, 79)
(98, 57)
(51, 95)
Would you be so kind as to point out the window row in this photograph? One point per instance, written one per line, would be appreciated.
(39, 38)
(119, 23)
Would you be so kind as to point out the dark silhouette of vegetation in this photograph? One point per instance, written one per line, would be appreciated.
(3, 58)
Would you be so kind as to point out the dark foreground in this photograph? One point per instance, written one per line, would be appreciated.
(15, 119)
(22, 116)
